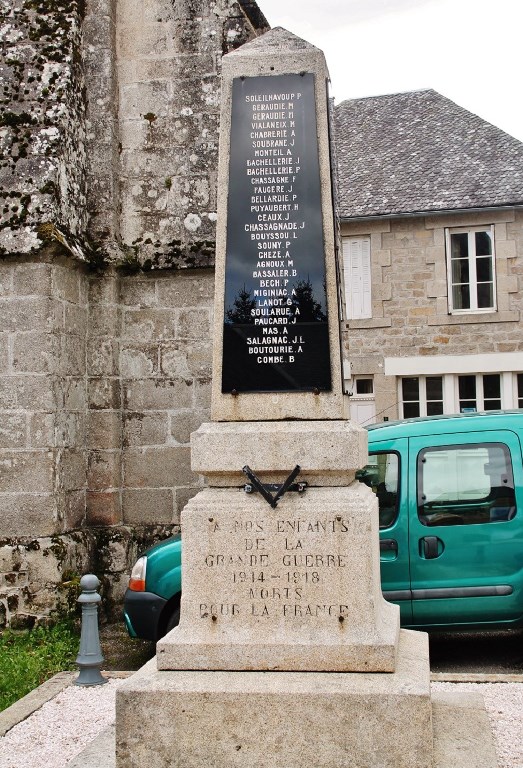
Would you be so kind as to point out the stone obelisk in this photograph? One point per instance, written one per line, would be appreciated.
(286, 653)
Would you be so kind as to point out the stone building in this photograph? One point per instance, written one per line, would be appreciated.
(431, 214)
(109, 136)
(108, 130)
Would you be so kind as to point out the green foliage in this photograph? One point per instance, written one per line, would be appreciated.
(29, 657)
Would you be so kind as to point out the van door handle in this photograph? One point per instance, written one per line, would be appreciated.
(430, 547)
(388, 549)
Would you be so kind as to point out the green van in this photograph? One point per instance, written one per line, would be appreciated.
(450, 494)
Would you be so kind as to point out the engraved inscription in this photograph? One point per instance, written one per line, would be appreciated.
(275, 329)
(277, 567)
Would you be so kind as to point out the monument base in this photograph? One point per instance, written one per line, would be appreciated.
(289, 589)
(282, 719)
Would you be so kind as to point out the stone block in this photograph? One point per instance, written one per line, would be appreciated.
(148, 324)
(105, 322)
(29, 313)
(75, 319)
(145, 429)
(103, 508)
(294, 718)
(146, 98)
(164, 467)
(104, 470)
(72, 359)
(13, 430)
(138, 361)
(8, 392)
(74, 509)
(152, 41)
(73, 469)
(74, 394)
(147, 507)
(185, 422)
(506, 249)
(173, 359)
(328, 451)
(26, 514)
(66, 283)
(27, 471)
(193, 324)
(42, 564)
(186, 290)
(104, 429)
(42, 430)
(104, 289)
(293, 589)
(6, 279)
(133, 132)
(36, 352)
(4, 353)
(202, 393)
(104, 394)
(32, 279)
(102, 356)
(158, 394)
(152, 165)
(138, 292)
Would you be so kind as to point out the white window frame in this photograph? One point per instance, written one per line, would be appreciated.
(480, 394)
(508, 390)
(515, 390)
(357, 277)
(422, 392)
(473, 283)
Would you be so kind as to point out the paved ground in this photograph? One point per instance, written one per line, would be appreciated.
(122, 652)
(479, 657)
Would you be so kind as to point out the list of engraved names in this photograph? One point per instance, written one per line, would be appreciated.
(275, 270)
(273, 171)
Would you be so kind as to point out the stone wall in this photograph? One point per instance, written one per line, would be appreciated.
(165, 356)
(409, 297)
(42, 125)
(42, 396)
(153, 124)
(108, 138)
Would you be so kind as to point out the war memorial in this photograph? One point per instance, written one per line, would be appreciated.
(286, 653)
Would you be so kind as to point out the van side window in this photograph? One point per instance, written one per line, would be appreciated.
(382, 475)
(465, 485)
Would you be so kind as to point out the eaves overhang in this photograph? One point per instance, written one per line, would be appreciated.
(430, 212)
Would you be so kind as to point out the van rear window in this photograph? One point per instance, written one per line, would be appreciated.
(465, 485)
(381, 474)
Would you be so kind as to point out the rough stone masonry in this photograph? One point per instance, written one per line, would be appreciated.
(108, 135)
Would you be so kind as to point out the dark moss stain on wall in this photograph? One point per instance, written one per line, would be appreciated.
(42, 120)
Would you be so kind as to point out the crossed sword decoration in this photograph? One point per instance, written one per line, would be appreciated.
(266, 489)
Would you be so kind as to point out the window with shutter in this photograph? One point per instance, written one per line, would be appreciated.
(357, 277)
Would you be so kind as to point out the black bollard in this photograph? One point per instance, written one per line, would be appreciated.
(90, 657)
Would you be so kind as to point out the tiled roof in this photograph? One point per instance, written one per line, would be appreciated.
(419, 151)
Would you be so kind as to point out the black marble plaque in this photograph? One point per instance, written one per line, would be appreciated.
(276, 335)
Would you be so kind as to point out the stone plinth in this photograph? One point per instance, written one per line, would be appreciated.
(280, 719)
(328, 452)
(291, 588)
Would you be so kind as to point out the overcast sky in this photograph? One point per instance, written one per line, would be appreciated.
(469, 50)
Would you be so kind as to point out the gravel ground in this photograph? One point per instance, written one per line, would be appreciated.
(60, 729)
